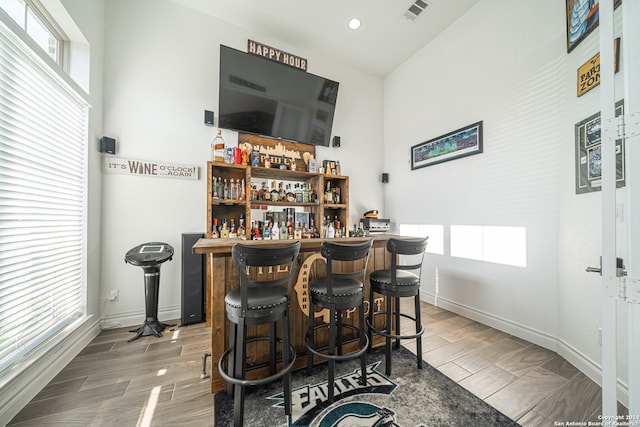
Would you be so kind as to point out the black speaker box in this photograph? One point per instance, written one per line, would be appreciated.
(336, 141)
(107, 145)
(193, 281)
(208, 117)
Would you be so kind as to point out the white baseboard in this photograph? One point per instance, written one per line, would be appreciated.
(122, 320)
(587, 366)
(41, 367)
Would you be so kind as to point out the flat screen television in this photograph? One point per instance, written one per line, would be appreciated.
(268, 98)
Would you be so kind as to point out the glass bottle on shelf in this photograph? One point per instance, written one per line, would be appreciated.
(330, 231)
(266, 232)
(297, 232)
(313, 197)
(214, 188)
(275, 232)
(217, 148)
(284, 232)
(282, 192)
(298, 193)
(225, 194)
(291, 197)
(214, 231)
(233, 190)
(328, 195)
(275, 195)
(232, 229)
(220, 186)
(242, 194)
(224, 231)
(305, 193)
(242, 230)
(361, 230)
(336, 196)
(338, 171)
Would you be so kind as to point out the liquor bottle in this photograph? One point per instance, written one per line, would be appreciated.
(224, 232)
(297, 232)
(256, 231)
(262, 192)
(336, 196)
(331, 232)
(275, 232)
(291, 197)
(242, 194)
(232, 230)
(361, 230)
(275, 195)
(233, 189)
(220, 188)
(266, 233)
(282, 192)
(328, 195)
(283, 164)
(284, 232)
(338, 169)
(305, 193)
(267, 162)
(313, 197)
(217, 148)
(338, 227)
(214, 188)
(214, 232)
(298, 193)
(225, 194)
(354, 232)
(242, 230)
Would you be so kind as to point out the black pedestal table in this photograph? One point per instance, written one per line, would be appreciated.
(150, 256)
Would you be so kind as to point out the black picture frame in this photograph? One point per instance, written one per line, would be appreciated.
(462, 142)
(582, 17)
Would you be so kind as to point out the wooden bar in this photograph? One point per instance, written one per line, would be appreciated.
(222, 276)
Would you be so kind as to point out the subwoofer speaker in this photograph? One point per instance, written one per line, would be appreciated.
(193, 281)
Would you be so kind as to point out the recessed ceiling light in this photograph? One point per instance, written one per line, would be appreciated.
(354, 23)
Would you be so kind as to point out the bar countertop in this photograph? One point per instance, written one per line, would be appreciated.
(223, 246)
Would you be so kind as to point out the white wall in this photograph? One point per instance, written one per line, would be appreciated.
(516, 76)
(161, 73)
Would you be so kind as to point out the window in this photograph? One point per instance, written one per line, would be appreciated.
(435, 244)
(498, 244)
(35, 21)
(43, 139)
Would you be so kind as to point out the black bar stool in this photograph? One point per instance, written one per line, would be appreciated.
(397, 282)
(261, 298)
(339, 291)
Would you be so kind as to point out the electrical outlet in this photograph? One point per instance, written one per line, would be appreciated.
(114, 295)
(600, 337)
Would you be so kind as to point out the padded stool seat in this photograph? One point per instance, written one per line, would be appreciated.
(397, 282)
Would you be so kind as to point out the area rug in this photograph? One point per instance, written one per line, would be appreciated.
(409, 397)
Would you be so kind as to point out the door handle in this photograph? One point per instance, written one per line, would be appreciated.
(595, 269)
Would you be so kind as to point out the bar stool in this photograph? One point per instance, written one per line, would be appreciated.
(261, 298)
(397, 282)
(339, 291)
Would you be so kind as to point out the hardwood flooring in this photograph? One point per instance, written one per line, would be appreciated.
(156, 381)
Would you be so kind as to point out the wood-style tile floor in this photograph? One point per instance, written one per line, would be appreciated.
(156, 381)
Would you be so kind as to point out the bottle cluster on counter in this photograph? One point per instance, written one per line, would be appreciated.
(288, 224)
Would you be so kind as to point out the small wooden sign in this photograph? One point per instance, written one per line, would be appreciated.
(589, 72)
(276, 55)
(116, 165)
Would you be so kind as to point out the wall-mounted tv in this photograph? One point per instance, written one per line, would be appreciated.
(268, 98)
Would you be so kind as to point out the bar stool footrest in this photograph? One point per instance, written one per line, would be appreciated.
(337, 357)
(258, 381)
(394, 336)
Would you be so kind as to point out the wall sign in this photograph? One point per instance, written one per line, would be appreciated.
(589, 72)
(276, 55)
(149, 168)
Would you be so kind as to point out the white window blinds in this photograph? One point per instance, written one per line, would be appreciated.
(43, 135)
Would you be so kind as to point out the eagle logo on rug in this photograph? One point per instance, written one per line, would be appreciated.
(310, 400)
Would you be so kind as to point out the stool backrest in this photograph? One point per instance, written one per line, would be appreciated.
(246, 256)
(406, 246)
(333, 251)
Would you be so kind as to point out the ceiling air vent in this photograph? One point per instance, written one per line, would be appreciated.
(415, 10)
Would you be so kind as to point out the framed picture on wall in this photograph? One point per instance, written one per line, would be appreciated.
(589, 154)
(582, 18)
(453, 145)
